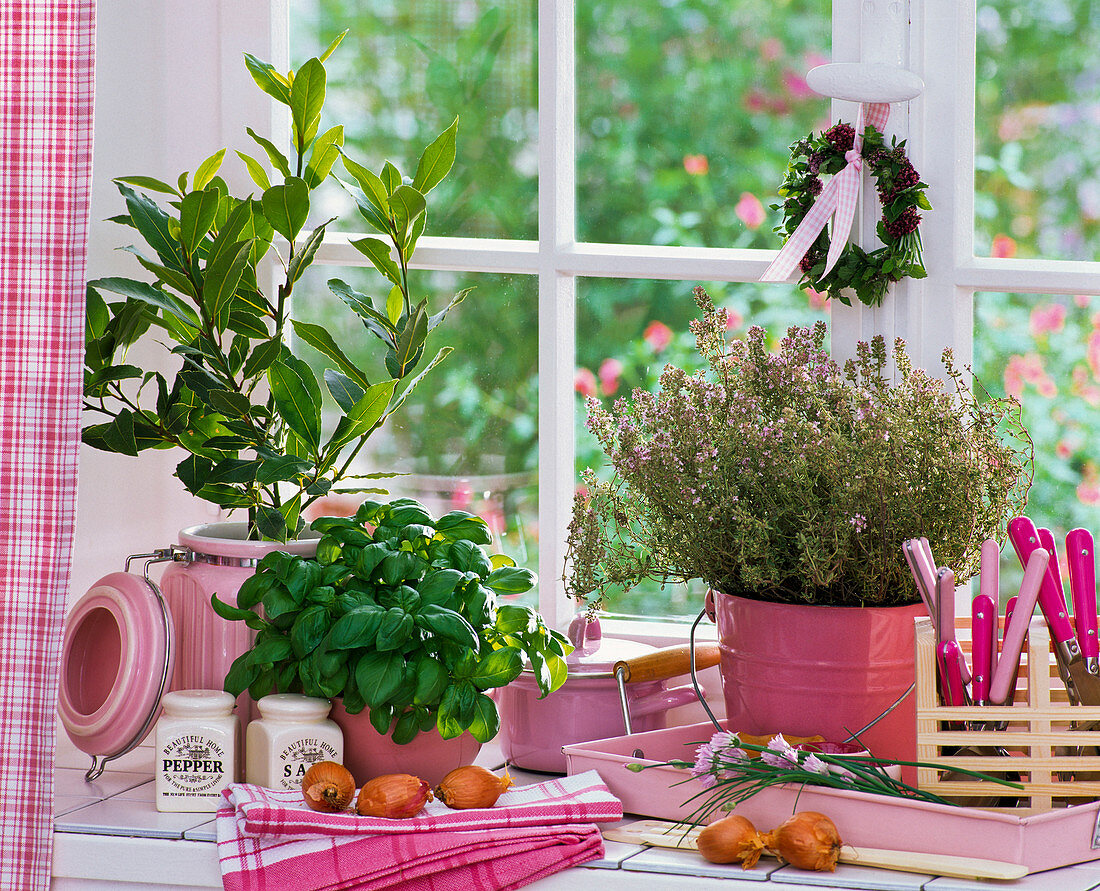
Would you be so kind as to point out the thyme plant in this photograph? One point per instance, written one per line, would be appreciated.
(787, 477)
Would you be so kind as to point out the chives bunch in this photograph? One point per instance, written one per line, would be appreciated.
(730, 775)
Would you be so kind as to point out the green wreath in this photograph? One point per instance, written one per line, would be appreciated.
(900, 192)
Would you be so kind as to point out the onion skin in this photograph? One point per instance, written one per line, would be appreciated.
(732, 839)
(328, 787)
(472, 787)
(808, 840)
(396, 796)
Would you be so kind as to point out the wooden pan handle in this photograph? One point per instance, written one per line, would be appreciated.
(667, 663)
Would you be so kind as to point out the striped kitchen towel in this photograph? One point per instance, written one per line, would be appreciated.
(269, 840)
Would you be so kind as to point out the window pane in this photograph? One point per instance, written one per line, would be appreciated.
(685, 112)
(1045, 351)
(1038, 123)
(468, 435)
(405, 70)
(628, 330)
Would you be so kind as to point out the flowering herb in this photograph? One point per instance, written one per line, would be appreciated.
(732, 771)
(900, 193)
(787, 477)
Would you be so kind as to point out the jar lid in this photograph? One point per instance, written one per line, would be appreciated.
(197, 703)
(293, 707)
(595, 655)
(116, 663)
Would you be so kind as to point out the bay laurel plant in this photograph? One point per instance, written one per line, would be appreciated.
(397, 614)
(788, 477)
(245, 409)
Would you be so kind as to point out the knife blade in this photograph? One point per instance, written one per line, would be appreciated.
(1080, 556)
(1008, 665)
(1025, 539)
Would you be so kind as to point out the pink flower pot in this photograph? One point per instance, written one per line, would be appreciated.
(205, 643)
(369, 754)
(805, 670)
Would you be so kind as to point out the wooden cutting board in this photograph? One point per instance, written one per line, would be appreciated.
(663, 834)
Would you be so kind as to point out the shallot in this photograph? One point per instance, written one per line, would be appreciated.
(808, 840)
(732, 839)
(393, 795)
(472, 787)
(328, 786)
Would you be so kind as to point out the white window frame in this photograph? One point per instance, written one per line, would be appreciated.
(936, 42)
(162, 118)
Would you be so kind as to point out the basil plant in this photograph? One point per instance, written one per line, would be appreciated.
(397, 614)
(245, 409)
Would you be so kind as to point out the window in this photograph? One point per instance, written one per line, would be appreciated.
(615, 154)
(1036, 212)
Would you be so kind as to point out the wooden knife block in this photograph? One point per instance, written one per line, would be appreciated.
(1056, 757)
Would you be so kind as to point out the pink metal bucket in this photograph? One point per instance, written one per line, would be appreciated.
(805, 670)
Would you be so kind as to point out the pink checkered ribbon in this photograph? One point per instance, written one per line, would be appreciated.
(839, 197)
(269, 839)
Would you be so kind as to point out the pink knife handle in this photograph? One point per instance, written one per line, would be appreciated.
(983, 614)
(1009, 662)
(951, 684)
(909, 548)
(1025, 539)
(945, 615)
(1046, 539)
(927, 569)
(990, 585)
(1082, 582)
(945, 604)
(1053, 604)
(990, 569)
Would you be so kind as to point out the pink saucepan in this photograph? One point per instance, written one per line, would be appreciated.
(590, 704)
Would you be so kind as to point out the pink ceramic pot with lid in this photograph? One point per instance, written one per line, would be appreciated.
(588, 706)
(116, 662)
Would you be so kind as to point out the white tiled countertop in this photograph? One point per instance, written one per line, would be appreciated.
(109, 835)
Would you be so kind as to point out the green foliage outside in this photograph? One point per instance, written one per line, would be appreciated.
(686, 111)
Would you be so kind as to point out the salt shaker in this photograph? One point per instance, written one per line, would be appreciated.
(292, 733)
(197, 744)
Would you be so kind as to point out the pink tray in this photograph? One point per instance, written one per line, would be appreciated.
(1040, 841)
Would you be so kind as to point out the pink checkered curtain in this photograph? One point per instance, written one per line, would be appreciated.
(46, 90)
